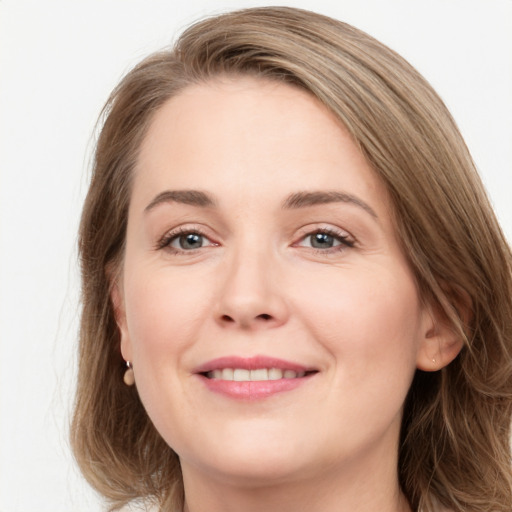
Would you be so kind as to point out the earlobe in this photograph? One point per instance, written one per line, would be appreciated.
(439, 349)
(440, 344)
(442, 341)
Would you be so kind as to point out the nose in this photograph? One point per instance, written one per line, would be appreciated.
(251, 294)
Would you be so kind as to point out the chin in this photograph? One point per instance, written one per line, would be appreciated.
(250, 461)
(258, 472)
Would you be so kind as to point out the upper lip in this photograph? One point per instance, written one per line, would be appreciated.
(250, 363)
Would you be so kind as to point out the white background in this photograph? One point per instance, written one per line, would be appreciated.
(58, 62)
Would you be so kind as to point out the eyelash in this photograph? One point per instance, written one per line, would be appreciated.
(345, 240)
(168, 238)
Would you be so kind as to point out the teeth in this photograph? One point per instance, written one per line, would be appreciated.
(227, 374)
(275, 374)
(240, 375)
(260, 374)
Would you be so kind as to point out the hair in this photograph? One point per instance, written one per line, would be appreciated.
(454, 445)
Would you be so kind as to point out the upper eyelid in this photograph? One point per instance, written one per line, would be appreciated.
(343, 241)
(323, 228)
(346, 239)
(187, 228)
(171, 234)
(301, 233)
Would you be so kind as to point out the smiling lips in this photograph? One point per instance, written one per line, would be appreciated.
(260, 374)
(252, 378)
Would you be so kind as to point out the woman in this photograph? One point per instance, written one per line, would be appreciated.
(287, 249)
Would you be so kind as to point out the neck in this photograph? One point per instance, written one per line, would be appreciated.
(363, 489)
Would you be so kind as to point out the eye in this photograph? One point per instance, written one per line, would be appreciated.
(188, 241)
(325, 239)
(322, 241)
(184, 241)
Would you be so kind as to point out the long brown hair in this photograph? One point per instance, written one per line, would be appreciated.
(454, 446)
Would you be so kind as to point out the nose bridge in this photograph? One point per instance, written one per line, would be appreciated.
(250, 296)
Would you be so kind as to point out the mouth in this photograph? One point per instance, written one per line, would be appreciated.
(253, 378)
(257, 375)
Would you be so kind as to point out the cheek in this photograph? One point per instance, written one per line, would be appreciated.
(164, 311)
(165, 316)
(369, 321)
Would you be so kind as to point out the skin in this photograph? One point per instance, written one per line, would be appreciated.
(257, 287)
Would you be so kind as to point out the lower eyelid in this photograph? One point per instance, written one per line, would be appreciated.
(344, 239)
(168, 238)
(167, 241)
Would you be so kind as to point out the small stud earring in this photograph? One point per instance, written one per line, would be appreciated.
(434, 360)
(129, 377)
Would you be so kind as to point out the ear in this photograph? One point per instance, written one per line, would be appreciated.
(117, 298)
(441, 343)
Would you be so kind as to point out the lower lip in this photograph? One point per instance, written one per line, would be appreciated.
(253, 390)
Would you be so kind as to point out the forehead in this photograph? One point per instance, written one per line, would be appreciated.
(252, 135)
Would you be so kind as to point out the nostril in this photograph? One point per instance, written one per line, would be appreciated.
(264, 319)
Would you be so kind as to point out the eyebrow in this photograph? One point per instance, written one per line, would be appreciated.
(305, 199)
(191, 197)
(294, 201)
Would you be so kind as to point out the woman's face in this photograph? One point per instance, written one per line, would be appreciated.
(260, 248)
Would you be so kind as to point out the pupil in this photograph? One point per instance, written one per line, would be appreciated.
(322, 240)
(191, 241)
